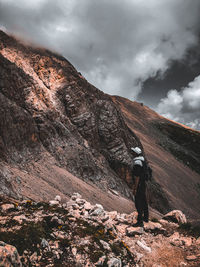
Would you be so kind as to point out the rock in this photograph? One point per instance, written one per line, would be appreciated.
(45, 244)
(112, 214)
(53, 202)
(191, 258)
(166, 223)
(7, 207)
(175, 240)
(74, 251)
(100, 262)
(182, 264)
(97, 210)
(9, 256)
(198, 241)
(57, 221)
(132, 231)
(33, 257)
(104, 218)
(72, 204)
(187, 241)
(57, 198)
(114, 262)
(121, 218)
(143, 245)
(20, 218)
(75, 196)
(80, 201)
(105, 245)
(152, 226)
(87, 206)
(18, 180)
(175, 216)
(138, 256)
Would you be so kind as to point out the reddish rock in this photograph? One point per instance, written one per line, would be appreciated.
(9, 256)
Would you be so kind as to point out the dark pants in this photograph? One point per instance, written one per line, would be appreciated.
(141, 202)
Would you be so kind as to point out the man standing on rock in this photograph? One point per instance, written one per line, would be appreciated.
(140, 176)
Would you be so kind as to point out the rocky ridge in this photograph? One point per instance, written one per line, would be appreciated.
(77, 233)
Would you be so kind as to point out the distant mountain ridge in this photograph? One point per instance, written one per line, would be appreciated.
(59, 133)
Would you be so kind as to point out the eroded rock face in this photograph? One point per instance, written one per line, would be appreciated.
(46, 105)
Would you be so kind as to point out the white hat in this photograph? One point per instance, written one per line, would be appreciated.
(137, 150)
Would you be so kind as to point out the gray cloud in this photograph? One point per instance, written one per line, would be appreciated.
(116, 44)
(183, 106)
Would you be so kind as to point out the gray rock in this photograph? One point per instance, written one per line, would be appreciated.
(45, 244)
(114, 262)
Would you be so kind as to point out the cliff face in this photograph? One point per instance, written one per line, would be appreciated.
(51, 116)
(60, 134)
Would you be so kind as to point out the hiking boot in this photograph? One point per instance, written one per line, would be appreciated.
(138, 224)
(146, 220)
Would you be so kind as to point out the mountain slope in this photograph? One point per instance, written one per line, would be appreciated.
(51, 116)
(60, 134)
(173, 151)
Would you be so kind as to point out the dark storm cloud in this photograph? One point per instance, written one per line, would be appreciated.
(116, 44)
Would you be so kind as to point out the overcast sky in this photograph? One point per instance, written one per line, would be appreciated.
(145, 50)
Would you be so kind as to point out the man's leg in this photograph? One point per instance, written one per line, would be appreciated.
(146, 209)
(139, 207)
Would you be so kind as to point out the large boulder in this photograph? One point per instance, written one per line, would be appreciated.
(175, 216)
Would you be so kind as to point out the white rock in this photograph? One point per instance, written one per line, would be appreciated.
(144, 246)
(57, 198)
(53, 202)
(99, 206)
(105, 245)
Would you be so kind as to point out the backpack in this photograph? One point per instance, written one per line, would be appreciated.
(141, 167)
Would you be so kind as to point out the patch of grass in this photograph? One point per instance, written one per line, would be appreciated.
(95, 255)
(65, 243)
(27, 237)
